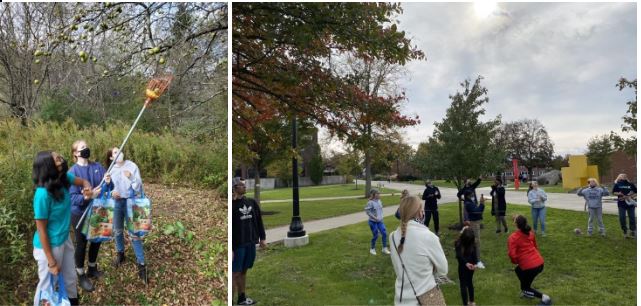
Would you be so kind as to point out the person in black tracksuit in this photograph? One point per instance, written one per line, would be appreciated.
(247, 231)
(499, 206)
(431, 194)
(468, 187)
(467, 260)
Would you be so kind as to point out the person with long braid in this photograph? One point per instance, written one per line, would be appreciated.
(417, 257)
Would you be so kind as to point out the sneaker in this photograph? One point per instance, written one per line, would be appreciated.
(546, 300)
(480, 265)
(543, 234)
(371, 251)
(93, 272)
(142, 273)
(602, 234)
(633, 234)
(85, 283)
(498, 231)
(247, 301)
(119, 259)
(386, 251)
(526, 294)
(505, 230)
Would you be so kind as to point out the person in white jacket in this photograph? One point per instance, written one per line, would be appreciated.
(537, 198)
(417, 257)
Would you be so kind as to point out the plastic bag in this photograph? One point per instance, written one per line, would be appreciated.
(139, 214)
(51, 295)
(98, 225)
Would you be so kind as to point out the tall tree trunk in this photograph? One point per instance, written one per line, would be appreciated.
(529, 173)
(368, 172)
(257, 180)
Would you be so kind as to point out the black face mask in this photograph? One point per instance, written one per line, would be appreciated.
(85, 153)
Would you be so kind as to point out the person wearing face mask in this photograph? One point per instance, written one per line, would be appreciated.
(52, 246)
(593, 194)
(374, 210)
(475, 215)
(431, 194)
(417, 257)
(93, 172)
(126, 178)
(626, 193)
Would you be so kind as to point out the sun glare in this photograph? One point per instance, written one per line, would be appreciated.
(484, 9)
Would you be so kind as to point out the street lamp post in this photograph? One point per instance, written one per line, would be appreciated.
(296, 235)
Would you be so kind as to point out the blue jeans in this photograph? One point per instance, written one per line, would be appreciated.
(376, 227)
(630, 211)
(120, 214)
(538, 214)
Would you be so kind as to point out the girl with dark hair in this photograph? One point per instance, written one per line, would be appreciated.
(92, 172)
(523, 252)
(52, 246)
(475, 216)
(537, 197)
(127, 183)
(499, 205)
(417, 257)
(467, 260)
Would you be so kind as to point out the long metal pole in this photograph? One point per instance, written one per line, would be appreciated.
(296, 226)
(113, 162)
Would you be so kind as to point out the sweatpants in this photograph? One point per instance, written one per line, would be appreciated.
(428, 217)
(376, 227)
(596, 215)
(63, 254)
(465, 277)
(81, 244)
(527, 277)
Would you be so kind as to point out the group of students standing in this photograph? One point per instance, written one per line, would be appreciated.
(423, 261)
(61, 197)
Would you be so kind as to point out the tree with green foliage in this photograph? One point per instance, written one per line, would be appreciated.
(628, 145)
(600, 149)
(528, 141)
(461, 145)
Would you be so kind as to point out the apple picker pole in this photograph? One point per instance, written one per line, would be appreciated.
(155, 88)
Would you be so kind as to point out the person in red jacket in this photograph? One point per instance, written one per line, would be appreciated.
(524, 252)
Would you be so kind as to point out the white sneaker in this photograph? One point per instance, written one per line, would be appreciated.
(372, 251)
(480, 265)
(546, 299)
(386, 251)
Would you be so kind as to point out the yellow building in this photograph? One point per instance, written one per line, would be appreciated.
(577, 174)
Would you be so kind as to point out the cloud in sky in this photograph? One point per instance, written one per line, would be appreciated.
(556, 62)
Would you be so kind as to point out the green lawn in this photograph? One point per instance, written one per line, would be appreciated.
(278, 214)
(317, 192)
(547, 188)
(336, 268)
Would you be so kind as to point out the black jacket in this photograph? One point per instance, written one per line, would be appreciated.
(469, 257)
(247, 222)
(474, 212)
(498, 200)
(472, 187)
(430, 197)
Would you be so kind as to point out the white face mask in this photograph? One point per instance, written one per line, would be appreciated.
(121, 157)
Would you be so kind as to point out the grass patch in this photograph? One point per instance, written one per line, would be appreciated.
(323, 191)
(336, 268)
(278, 214)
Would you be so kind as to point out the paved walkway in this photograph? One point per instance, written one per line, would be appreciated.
(555, 200)
(323, 199)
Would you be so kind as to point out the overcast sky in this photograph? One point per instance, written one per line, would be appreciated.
(556, 62)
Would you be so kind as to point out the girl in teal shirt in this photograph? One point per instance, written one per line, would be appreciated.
(52, 248)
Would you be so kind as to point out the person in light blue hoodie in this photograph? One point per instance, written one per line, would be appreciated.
(127, 182)
(593, 194)
(374, 210)
(537, 198)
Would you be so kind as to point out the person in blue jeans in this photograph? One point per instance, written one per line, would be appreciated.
(537, 198)
(626, 192)
(374, 210)
(126, 180)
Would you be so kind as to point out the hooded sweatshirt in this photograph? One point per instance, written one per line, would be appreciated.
(374, 210)
(523, 250)
(593, 196)
(533, 198)
(92, 172)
